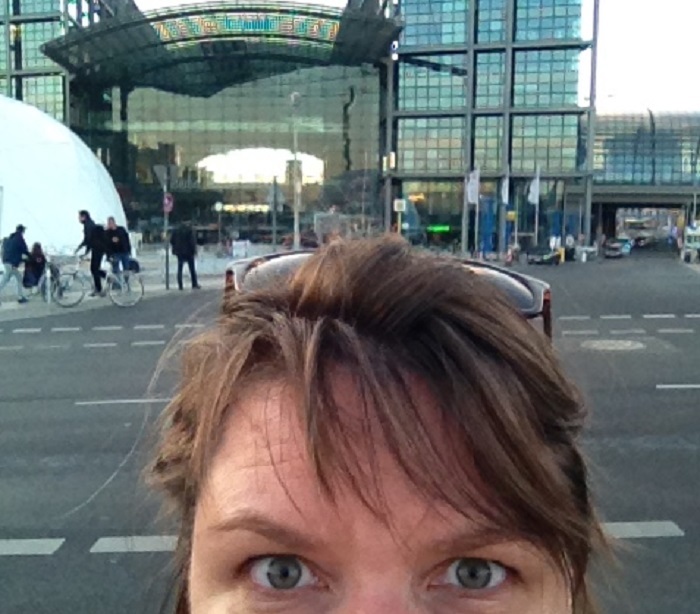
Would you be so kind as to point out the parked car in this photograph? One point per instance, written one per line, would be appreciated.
(616, 247)
(531, 296)
(543, 255)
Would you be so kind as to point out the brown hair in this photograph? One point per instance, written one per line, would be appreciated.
(393, 316)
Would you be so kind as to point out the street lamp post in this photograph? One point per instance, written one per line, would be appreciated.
(296, 174)
(219, 207)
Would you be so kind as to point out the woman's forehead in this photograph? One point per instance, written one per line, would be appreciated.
(264, 453)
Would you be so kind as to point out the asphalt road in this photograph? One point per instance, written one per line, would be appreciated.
(71, 455)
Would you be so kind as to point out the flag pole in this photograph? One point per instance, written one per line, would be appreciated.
(465, 214)
(477, 228)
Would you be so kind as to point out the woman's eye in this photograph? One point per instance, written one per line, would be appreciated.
(476, 574)
(281, 573)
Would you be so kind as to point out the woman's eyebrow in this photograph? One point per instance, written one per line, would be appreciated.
(253, 521)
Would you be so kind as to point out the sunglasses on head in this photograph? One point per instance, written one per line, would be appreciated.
(530, 296)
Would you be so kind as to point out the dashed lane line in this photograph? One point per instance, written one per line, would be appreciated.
(99, 345)
(149, 326)
(678, 386)
(630, 331)
(643, 530)
(580, 333)
(616, 317)
(692, 316)
(26, 331)
(10, 348)
(119, 402)
(659, 316)
(193, 325)
(107, 328)
(147, 343)
(54, 346)
(135, 543)
(676, 331)
(66, 329)
(574, 318)
(30, 547)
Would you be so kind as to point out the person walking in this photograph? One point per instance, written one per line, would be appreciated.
(118, 246)
(185, 249)
(94, 244)
(14, 249)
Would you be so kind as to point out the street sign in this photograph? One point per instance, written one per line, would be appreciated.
(399, 205)
(168, 202)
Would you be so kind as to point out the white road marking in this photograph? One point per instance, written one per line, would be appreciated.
(66, 329)
(135, 543)
(574, 318)
(643, 530)
(120, 402)
(631, 331)
(616, 317)
(580, 333)
(99, 345)
(56, 346)
(146, 343)
(149, 326)
(106, 328)
(30, 547)
(9, 348)
(693, 316)
(678, 386)
(198, 325)
(658, 316)
(676, 331)
(26, 331)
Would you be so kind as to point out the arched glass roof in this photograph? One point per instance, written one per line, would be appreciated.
(202, 48)
(647, 148)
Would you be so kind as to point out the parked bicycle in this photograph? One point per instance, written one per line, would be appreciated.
(70, 284)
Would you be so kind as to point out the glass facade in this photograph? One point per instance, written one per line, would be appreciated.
(522, 110)
(433, 144)
(27, 74)
(647, 149)
(435, 82)
(540, 20)
(435, 22)
(238, 144)
(490, 80)
(546, 78)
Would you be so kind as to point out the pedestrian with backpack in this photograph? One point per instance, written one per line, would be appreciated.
(14, 250)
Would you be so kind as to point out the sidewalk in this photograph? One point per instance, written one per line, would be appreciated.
(11, 310)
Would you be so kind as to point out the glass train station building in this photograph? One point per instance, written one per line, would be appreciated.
(359, 103)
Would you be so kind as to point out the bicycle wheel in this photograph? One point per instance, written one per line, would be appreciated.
(125, 290)
(69, 289)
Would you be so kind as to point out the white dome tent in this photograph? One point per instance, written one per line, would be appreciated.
(47, 174)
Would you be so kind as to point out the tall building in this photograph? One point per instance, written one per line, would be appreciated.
(381, 100)
(496, 85)
(26, 73)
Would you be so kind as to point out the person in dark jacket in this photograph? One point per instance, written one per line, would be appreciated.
(118, 245)
(14, 250)
(34, 267)
(94, 244)
(184, 247)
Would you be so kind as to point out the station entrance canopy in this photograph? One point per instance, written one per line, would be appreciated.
(201, 49)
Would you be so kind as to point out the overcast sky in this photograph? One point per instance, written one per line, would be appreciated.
(648, 55)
